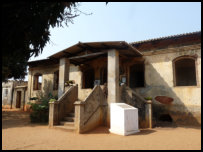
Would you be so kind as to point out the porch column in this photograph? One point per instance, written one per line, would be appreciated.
(113, 76)
(63, 75)
(113, 79)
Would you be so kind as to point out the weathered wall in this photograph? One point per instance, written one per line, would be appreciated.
(48, 77)
(129, 96)
(23, 96)
(47, 81)
(186, 107)
(7, 99)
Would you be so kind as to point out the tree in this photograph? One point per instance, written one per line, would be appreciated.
(25, 31)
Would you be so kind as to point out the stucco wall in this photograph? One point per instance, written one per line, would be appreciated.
(48, 77)
(91, 112)
(47, 81)
(186, 107)
(7, 99)
(76, 74)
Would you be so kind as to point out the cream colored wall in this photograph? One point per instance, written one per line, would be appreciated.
(48, 76)
(159, 72)
(76, 74)
(47, 80)
(159, 82)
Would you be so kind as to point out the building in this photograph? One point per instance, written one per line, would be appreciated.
(167, 69)
(14, 94)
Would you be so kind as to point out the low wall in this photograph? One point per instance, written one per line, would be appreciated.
(63, 106)
(127, 95)
(92, 112)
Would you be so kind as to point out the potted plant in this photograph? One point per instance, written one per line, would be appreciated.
(69, 83)
(148, 99)
(52, 100)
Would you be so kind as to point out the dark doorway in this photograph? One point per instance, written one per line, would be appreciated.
(137, 75)
(165, 117)
(88, 78)
(103, 75)
(18, 99)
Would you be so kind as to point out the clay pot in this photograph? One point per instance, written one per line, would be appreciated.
(164, 99)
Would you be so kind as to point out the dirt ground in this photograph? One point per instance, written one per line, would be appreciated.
(18, 133)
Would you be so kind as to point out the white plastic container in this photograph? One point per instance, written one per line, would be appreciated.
(123, 119)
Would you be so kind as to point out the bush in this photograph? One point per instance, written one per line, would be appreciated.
(40, 111)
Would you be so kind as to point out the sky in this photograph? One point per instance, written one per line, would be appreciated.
(125, 21)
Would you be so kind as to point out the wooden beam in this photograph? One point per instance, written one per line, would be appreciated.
(105, 46)
(91, 48)
(102, 55)
(88, 55)
(135, 50)
(86, 47)
(114, 47)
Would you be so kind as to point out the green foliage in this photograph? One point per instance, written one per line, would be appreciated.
(25, 31)
(40, 111)
(52, 100)
(148, 98)
(70, 82)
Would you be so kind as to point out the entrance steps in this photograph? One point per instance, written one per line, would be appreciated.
(68, 124)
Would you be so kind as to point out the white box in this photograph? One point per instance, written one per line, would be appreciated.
(123, 119)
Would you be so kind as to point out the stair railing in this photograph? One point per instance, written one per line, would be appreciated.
(63, 106)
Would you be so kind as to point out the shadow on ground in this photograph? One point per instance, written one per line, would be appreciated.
(105, 130)
(17, 118)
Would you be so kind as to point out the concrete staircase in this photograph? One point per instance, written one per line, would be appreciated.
(68, 124)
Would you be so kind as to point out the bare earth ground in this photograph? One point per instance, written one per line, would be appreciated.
(19, 133)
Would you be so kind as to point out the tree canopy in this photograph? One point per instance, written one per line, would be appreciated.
(25, 31)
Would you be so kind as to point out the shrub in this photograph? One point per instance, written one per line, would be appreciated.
(40, 111)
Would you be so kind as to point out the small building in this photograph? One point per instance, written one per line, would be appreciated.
(166, 69)
(7, 93)
(14, 94)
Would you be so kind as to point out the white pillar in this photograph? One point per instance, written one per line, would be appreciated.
(113, 76)
(113, 80)
(63, 75)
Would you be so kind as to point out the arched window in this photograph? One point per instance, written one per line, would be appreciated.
(37, 84)
(185, 71)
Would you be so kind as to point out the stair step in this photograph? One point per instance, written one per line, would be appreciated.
(69, 119)
(66, 123)
(65, 128)
(71, 114)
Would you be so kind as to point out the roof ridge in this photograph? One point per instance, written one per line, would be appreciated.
(165, 37)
